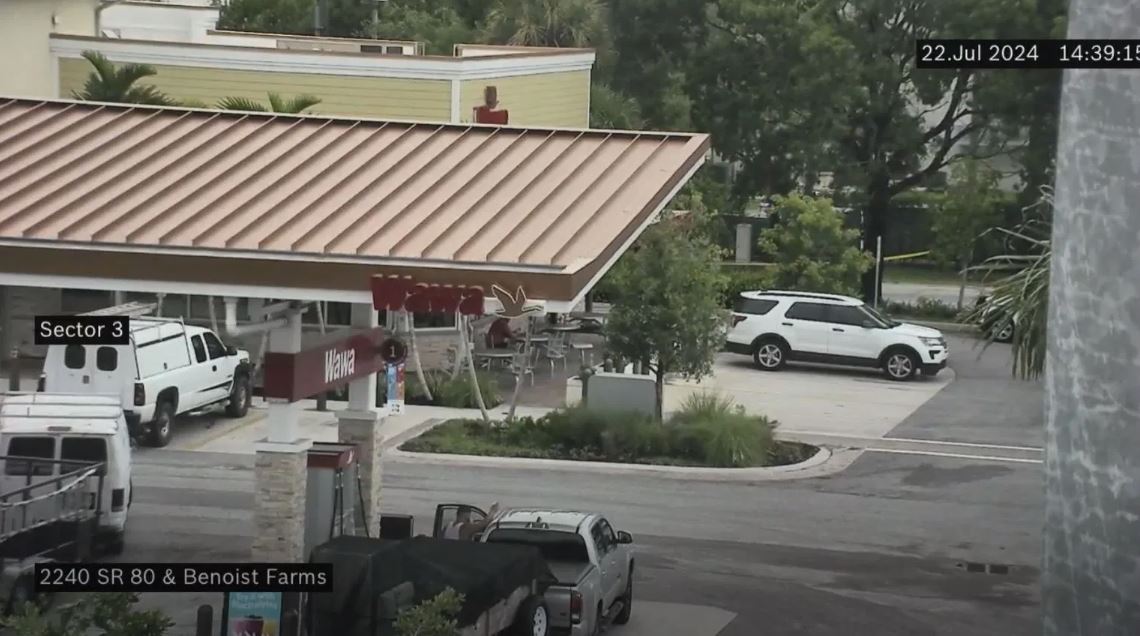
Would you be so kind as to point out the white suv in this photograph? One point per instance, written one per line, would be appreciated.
(775, 327)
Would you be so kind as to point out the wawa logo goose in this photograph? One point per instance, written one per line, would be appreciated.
(514, 305)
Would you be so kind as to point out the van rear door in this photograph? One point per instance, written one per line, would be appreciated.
(85, 450)
(26, 471)
(72, 376)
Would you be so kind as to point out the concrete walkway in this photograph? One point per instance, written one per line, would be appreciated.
(217, 434)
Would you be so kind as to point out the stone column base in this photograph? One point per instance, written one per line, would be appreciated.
(281, 474)
(362, 428)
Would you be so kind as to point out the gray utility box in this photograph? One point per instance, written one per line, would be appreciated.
(333, 505)
(621, 392)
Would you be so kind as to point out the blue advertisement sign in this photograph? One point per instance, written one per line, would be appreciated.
(253, 614)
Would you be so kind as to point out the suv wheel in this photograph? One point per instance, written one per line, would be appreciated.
(901, 365)
(770, 355)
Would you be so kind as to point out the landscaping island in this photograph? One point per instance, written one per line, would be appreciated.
(708, 431)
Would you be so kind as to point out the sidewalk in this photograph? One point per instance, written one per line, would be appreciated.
(219, 435)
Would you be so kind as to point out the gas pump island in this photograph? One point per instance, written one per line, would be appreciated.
(291, 375)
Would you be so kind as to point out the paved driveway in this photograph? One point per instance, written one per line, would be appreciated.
(984, 405)
(815, 398)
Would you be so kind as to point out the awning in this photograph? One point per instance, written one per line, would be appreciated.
(130, 197)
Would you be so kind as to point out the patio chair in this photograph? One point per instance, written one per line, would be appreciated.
(556, 350)
(521, 365)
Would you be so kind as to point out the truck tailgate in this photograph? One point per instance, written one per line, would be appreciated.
(569, 574)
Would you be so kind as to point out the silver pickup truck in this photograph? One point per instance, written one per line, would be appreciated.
(592, 562)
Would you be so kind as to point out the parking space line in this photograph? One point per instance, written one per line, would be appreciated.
(995, 458)
(932, 442)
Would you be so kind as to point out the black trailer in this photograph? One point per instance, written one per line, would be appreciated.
(502, 585)
(45, 520)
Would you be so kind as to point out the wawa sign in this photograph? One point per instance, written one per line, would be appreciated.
(296, 376)
(401, 293)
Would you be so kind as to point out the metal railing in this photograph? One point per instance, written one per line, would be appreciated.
(46, 499)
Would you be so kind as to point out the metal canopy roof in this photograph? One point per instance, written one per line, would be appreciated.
(301, 191)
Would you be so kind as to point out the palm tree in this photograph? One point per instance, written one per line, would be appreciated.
(1020, 296)
(277, 104)
(108, 83)
(569, 23)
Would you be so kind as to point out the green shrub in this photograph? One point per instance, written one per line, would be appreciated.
(741, 279)
(928, 308)
(714, 430)
(709, 430)
(453, 392)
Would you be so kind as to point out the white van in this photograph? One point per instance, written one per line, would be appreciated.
(62, 428)
(169, 368)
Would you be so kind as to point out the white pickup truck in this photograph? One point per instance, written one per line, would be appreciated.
(168, 369)
(593, 563)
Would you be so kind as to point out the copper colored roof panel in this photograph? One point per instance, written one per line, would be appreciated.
(190, 180)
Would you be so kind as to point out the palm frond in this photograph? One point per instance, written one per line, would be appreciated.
(295, 105)
(241, 103)
(108, 83)
(1020, 299)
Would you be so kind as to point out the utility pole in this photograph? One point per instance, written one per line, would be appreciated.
(320, 17)
(1090, 584)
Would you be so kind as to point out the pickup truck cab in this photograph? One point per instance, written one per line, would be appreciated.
(168, 369)
(593, 563)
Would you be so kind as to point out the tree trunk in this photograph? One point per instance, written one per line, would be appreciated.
(462, 351)
(964, 274)
(471, 371)
(411, 324)
(659, 390)
(520, 373)
(1090, 582)
(875, 226)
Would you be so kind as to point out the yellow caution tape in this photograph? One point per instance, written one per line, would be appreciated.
(903, 257)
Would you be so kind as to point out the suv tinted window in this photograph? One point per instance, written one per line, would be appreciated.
(43, 447)
(75, 356)
(807, 311)
(214, 346)
(753, 306)
(106, 359)
(846, 315)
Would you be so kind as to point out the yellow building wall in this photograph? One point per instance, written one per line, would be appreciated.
(25, 55)
(550, 99)
(378, 97)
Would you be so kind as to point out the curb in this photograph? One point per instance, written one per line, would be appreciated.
(826, 461)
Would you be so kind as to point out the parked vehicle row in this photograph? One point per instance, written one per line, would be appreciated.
(592, 562)
(65, 483)
(168, 369)
(778, 327)
(532, 572)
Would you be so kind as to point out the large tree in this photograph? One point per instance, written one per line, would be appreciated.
(792, 89)
(345, 18)
(569, 23)
(666, 310)
(654, 42)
